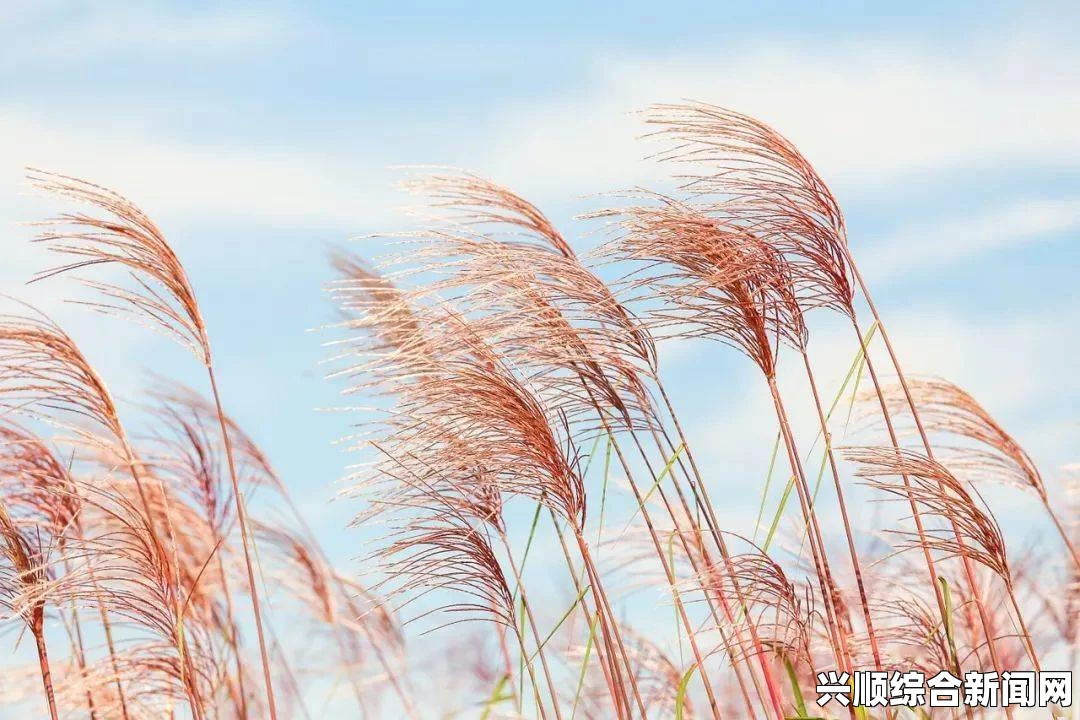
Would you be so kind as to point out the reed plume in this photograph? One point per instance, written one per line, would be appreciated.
(500, 367)
(974, 535)
(164, 299)
(23, 570)
(529, 297)
(948, 409)
(721, 282)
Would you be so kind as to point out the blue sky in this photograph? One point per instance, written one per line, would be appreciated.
(259, 135)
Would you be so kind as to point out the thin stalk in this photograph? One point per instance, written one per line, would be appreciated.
(43, 661)
(1063, 532)
(670, 575)
(528, 663)
(234, 640)
(106, 624)
(841, 651)
(241, 516)
(508, 664)
(594, 575)
(407, 704)
(817, 549)
(701, 498)
(591, 624)
(768, 482)
(855, 563)
(532, 625)
(622, 702)
(609, 626)
(718, 589)
(110, 644)
(916, 514)
(943, 611)
(80, 647)
(692, 558)
(1024, 634)
(966, 560)
(968, 570)
(669, 571)
(159, 548)
(187, 675)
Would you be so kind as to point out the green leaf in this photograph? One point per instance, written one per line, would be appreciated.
(796, 691)
(779, 512)
(558, 625)
(855, 368)
(585, 663)
(946, 594)
(854, 371)
(521, 661)
(680, 694)
(603, 489)
(858, 379)
(768, 481)
(496, 697)
(659, 478)
(817, 489)
(528, 543)
(671, 564)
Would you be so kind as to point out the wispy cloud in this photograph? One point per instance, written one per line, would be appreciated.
(83, 30)
(937, 245)
(183, 178)
(868, 113)
(871, 115)
(1003, 361)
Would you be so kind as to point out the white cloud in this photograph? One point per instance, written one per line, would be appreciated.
(956, 238)
(869, 113)
(79, 30)
(180, 178)
(175, 183)
(1014, 363)
(1003, 361)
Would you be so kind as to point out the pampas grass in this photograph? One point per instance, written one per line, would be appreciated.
(513, 387)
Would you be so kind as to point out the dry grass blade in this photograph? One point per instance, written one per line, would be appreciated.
(780, 613)
(715, 279)
(163, 297)
(187, 451)
(430, 555)
(122, 567)
(35, 485)
(493, 356)
(993, 454)
(24, 571)
(373, 303)
(915, 635)
(514, 275)
(948, 409)
(659, 678)
(127, 237)
(479, 202)
(763, 185)
(939, 494)
(469, 429)
(43, 373)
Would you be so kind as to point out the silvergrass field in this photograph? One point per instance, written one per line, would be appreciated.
(538, 536)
